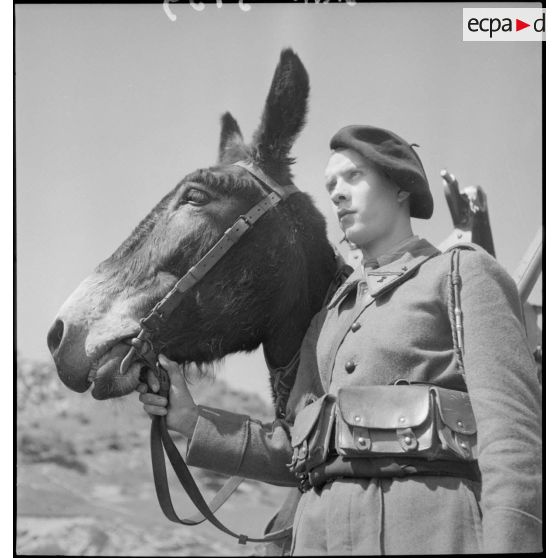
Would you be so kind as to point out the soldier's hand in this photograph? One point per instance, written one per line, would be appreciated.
(180, 408)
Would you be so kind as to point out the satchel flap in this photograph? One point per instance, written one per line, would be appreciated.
(385, 407)
(455, 410)
(305, 421)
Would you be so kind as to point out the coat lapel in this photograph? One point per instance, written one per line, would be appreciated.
(340, 323)
(378, 282)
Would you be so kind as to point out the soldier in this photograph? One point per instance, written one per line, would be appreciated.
(415, 415)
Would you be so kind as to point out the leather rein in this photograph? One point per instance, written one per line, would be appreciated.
(147, 346)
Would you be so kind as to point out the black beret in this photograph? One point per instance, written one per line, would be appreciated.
(395, 157)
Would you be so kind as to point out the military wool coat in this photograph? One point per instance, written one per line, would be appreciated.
(389, 321)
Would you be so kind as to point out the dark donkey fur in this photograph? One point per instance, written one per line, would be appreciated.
(265, 290)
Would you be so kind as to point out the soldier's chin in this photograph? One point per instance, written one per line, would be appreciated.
(353, 238)
(360, 237)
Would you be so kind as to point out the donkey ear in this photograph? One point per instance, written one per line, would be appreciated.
(231, 143)
(283, 116)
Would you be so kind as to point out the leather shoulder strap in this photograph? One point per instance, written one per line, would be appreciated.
(454, 301)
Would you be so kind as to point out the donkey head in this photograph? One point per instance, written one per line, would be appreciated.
(264, 290)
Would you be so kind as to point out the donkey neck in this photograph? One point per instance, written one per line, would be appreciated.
(283, 342)
(283, 345)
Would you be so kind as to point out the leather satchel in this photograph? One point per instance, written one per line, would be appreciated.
(418, 420)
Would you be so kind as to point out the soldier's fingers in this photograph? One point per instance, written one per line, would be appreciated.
(142, 388)
(152, 381)
(152, 399)
(153, 410)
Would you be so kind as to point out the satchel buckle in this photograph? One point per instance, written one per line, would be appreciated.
(407, 439)
(361, 437)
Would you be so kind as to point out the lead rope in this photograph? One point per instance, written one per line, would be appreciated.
(160, 438)
(146, 346)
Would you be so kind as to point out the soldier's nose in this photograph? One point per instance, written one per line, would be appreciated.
(339, 196)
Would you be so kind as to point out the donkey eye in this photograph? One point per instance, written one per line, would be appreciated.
(194, 196)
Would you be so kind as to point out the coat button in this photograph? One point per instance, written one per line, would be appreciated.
(350, 366)
(355, 327)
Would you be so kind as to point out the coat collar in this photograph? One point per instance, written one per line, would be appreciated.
(394, 268)
(394, 254)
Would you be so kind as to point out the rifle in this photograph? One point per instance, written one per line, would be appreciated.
(469, 213)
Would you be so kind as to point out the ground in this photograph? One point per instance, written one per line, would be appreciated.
(84, 481)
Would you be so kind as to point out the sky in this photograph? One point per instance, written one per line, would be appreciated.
(116, 103)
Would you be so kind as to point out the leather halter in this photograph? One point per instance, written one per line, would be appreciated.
(147, 345)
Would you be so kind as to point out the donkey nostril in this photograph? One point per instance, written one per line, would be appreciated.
(55, 335)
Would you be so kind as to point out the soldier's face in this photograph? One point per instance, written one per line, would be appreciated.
(364, 199)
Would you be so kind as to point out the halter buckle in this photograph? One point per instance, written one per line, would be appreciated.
(247, 220)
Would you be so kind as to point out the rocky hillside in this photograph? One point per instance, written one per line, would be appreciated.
(84, 482)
